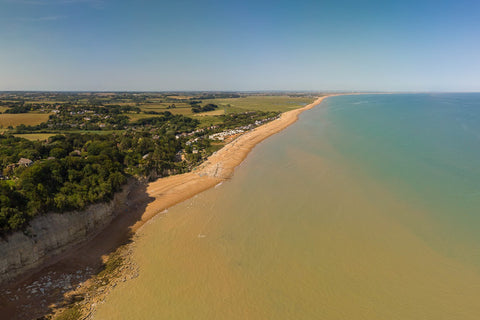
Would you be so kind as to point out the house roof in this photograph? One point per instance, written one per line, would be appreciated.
(25, 161)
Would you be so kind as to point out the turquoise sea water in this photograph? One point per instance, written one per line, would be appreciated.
(423, 147)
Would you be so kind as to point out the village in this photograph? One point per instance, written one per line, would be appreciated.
(225, 135)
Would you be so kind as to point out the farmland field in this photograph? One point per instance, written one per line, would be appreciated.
(162, 106)
(35, 136)
(217, 112)
(182, 110)
(263, 103)
(208, 120)
(14, 120)
(253, 102)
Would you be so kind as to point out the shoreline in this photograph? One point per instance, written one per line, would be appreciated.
(219, 167)
(117, 239)
(173, 190)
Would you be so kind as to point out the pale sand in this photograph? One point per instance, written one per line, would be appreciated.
(218, 167)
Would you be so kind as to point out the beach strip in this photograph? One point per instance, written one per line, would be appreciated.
(220, 166)
(144, 202)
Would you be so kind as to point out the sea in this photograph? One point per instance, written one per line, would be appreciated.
(365, 208)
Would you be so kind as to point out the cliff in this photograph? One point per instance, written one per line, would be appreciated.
(53, 233)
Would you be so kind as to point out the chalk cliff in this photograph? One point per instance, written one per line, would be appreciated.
(53, 233)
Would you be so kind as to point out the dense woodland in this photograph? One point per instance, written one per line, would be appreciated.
(197, 108)
(73, 170)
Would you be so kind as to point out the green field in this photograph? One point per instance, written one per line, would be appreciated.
(45, 102)
(91, 131)
(136, 116)
(183, 111)
(28, 119)
(217, 112)
(35, 136)
(162, 106)
(37, 101)
(280, 103)
(262, 103)
(207, 121)
(232, 105)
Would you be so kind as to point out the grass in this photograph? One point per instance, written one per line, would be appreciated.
(207, 121)
(91, 131)
(115, 261)
(38, 101)
(215, 147)
(180, 97)
(249, 103)
(180, 108)
(35, 136)
(135, 116)
(183, 111)
(206, 118)
(14, 120)
(262, 103)
(211, 113)
(72, 313)
(162, 106)
(120, 104)
(232, 105)
(45, 102)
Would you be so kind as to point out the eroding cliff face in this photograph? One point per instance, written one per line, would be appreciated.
(53, 233)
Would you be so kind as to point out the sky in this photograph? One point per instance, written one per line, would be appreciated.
(119, 45)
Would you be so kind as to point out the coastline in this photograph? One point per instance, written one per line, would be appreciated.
(217, 168)
(117, 239)
(245, 250)
(168, 192)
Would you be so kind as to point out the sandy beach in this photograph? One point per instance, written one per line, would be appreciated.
(144, 203)
(219, 166)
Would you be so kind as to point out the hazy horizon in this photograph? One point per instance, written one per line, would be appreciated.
(238, 91)
(102, 45)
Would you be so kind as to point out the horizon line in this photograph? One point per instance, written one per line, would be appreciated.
(231, 91)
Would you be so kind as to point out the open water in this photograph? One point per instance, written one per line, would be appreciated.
(366, 208)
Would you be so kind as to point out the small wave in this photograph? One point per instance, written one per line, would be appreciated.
(360, 102)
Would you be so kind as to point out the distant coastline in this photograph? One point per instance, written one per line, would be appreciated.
(169, 191)
(172, 190)
(217, 168)
(163, 193)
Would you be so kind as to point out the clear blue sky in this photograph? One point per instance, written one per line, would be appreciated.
(239, 45)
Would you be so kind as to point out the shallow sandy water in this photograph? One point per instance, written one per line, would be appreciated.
(295, 235)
